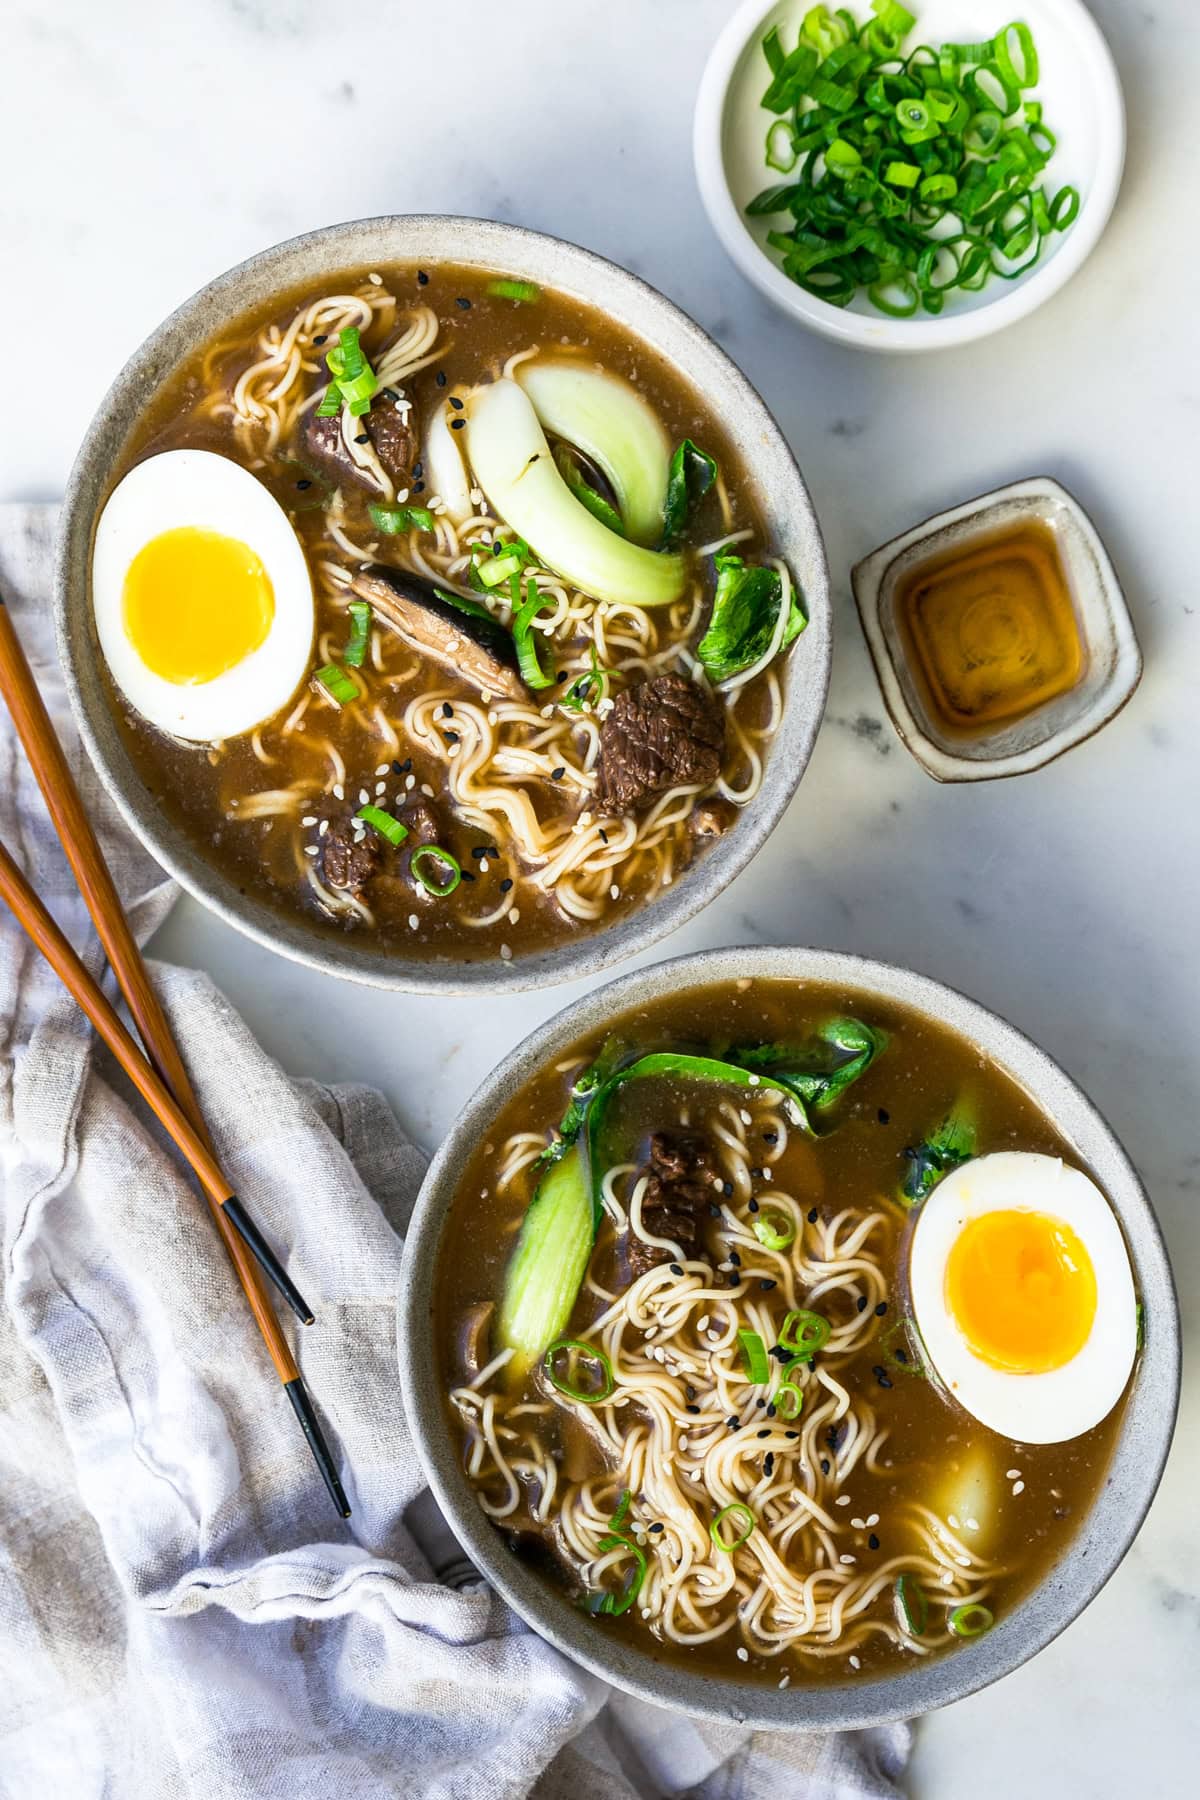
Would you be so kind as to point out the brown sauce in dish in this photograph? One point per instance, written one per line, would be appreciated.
(395, 745)
(991, 629)
(1030, 1499)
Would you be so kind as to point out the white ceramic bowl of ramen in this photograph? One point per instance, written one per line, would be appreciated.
(550, 888)
(884, 1472)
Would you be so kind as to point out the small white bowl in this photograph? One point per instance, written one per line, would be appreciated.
(1078, 86)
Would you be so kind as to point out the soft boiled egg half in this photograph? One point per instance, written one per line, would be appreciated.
(202, 596)
(1023, 1295)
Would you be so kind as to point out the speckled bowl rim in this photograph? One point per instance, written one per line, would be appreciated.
(1105, 1535)
(778, 488)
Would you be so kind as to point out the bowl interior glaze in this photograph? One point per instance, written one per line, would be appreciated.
(1104, 1535)
(775, 482)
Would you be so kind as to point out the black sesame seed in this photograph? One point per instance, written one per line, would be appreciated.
(881, 1309)
(832, 1437)
(691, 1409)
(769, 1463)
(772, 1410)
(689, 1390)
(885, 1117)
(603, 835)
(440, 378)
(753, 1207)
(480, 851)
(760, 1400)
(506, 884)
(457, 424)
(733, 1422)
(872, 1542)
(418, 468)
(727, 1189)
(901, 1356)
(389, 393)
(733, 1279)
(767, 1284)
(770, 1137)
(451, 737)
(656, 1527)
(861, 1303)
(362, 438)
(881, 1375)
(765, 1432)
(456, 403)
(469, 875)
(676, 1269)
(714, 1210)
(562, 675)
(793, 1435)
(812, 1217)
(303, 485)
(422, 278)
(462, 301)
(557, 774)
(418, 487)
(447, 710)
(322, 339)
(824, 1465)
(735, 1259)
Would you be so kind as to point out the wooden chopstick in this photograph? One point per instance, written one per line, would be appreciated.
(65, 806)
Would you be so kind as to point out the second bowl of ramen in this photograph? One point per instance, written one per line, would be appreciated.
(788, 1339)
(442, 606)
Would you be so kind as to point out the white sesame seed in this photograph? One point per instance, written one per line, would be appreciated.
(484, 865)
(410, 783)
(427, 790)
(842, 1500)
(363, 797)
(323, 827)
(375, 280)
(413, 921)
(339, 792)
(952, 1522)
(766, 1174)
(873, 1519)
(744, 1116)
(505, 953)
(702, 1324)
(859, 1524)
(847, 1559)
(380, 789)
(1012, 1474)
(614, 892)
(309, 819)
(310, 850)
(1018, 1488)
(453, 749)
(947, 1578)
(382, 769)
(743, 1654)
(972, 1525)
(754, 1080)
(785, 1681)
(855, 1663)
(514, 917)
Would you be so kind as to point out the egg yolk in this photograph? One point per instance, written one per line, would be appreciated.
(1021, 1288)
(195, 604)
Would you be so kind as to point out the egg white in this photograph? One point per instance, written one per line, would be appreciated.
(1036, 1408)
(201, 489)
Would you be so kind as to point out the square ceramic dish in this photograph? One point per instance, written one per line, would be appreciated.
(1112, 662)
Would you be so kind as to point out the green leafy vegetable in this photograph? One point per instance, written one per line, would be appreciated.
(360, 634)
(394, 519)
(905, 171)
(527, 293)
(692, 472)
(584, 492)
(604, 418)
(952, 1143)
(744, 617)
(340, 687)
(472, 608)
(383, 822)
(547, 1266)
(816, 1075)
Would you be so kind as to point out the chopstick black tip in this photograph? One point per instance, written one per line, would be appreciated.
(302, 1406)
(266, 1259)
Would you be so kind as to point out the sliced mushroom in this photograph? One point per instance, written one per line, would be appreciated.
(469, 643)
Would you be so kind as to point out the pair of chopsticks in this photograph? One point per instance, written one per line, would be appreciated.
(157, 1070)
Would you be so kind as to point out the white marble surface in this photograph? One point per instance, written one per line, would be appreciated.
(146, 147)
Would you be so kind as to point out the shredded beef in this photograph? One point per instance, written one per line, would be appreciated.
(322, 446)
(350, 857)
(660, 734)
(681, 1171)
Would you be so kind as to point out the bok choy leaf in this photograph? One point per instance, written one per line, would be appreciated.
(952, 1143)
(691, 474)
(744, 617)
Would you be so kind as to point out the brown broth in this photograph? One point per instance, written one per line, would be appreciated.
(200, 789)
(924, 1070)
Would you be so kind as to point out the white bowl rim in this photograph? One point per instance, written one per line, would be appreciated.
(1017, 298)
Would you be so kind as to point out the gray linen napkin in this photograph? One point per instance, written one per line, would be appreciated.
(180, 1612)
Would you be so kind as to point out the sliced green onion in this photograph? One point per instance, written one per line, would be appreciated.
(789, 1399)
(1064, 208)
(781, 146)
(331, 402)
(912, 1605)
(360, 634)
(337, 684)
(449, 867)
(1025, 75)
(902, 174)
(616, 1604)
(352, 374)
(740, 1513)
(971, 1620)
(804, 1333)
(755, 1352)
(526, 292)
(618, 1518)
(532, 672)
(774, 1231)
(494, 570)
(395, 519)
(585, 686)
(575, 1350)
(384, 823)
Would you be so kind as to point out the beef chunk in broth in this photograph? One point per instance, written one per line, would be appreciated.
(682, 1174)
(661, 734)
(322, 446)
(350, 855)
